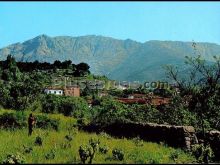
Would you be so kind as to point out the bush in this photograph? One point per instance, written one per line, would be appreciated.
(118, 154)
(38, 141)
(105, 135)
(74, 106)
(84, 153)
(50, 154)
(82, 122)
(14, 159)
(47, 123)
(103, 149)
(174, 155)
(27, 149)
(88, 151)
(13, 120)
(110, 111)
(50, 104)
(68, 138)
(67, 105)
(202, 153)
(154, 161)
(138, 142)
(94, 143)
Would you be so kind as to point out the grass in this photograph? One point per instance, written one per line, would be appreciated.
(11, 142)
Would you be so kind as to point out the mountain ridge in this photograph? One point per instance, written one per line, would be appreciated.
(118, 59)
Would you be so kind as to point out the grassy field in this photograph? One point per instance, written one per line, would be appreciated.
(13, 142)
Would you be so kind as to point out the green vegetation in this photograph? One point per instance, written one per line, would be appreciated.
(61, 119)
(54, 148)
(199, 92)
(69, 106)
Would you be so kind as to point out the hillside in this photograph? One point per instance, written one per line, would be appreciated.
(56, 148)
(117, 59)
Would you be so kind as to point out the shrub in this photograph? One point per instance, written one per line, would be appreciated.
(50, 154)
(154, 161)
(103, 149)
(82, 122)
(50, 104)
(47, 123)
(38, 141)
(105, 135)
(27, 149)
(94, 143)
(202, 153)
(13, 120)
(74, 106)
(118, 154)
(69, 138)
(84, 153)
(88, 151)
(138, 142)
(14, 159)
(69, 106)
(174, 155)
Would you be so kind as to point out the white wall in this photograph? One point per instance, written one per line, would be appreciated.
(54, 91)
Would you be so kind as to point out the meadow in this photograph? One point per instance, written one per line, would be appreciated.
(58, 148)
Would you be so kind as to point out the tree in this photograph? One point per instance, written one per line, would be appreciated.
(200, 88)
(82, 69)
(10, 70)
(57, 64)
(66, 64)
(110, 111)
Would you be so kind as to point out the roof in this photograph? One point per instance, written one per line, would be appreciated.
(138, 95)
(153, 101)
(132, 101)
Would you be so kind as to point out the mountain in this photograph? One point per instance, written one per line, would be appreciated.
(117, 59)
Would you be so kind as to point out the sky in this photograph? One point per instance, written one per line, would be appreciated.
(139, 21)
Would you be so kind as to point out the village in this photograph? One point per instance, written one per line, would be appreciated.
(154, 96)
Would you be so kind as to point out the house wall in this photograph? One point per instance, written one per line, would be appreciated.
(72, 92)
(54, 91)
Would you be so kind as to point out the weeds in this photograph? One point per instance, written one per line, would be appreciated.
(14, 159)
(118, 154)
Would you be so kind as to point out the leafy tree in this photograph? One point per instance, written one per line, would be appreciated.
(200, 89)
(66, 64)
(110, 111)
(50, 103)
(57, 64)
(67, 105)
(10, 70)
(82, 69)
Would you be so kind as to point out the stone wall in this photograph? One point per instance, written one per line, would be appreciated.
(175, 136)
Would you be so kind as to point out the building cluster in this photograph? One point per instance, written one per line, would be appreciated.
(66, 91)
(150, 98)
(144, 99)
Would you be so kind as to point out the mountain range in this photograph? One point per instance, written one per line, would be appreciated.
(124, 60)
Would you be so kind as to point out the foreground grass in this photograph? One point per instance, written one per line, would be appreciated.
(12, 142)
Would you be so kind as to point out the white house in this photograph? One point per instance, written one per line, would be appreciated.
(56, 91)
(121, 87)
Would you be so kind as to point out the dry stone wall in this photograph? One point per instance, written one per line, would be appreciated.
(175, 136)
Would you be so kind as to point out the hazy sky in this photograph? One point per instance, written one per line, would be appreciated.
(140, 21)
